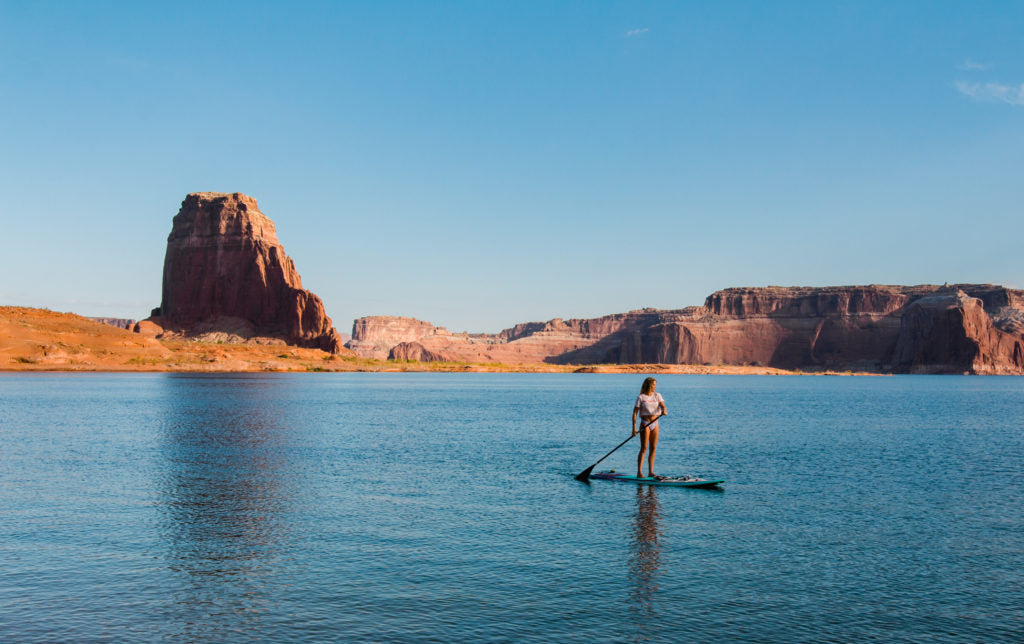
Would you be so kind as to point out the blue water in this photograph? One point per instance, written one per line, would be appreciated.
(441, 507)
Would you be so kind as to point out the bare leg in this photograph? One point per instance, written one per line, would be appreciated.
(654, 446)
(644, 433)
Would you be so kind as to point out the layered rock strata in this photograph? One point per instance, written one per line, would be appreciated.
(121, 323)
(891, 329)
(227, 278)
(556, 341)
(964, 328)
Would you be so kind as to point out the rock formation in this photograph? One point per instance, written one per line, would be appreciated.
(555, 341)
(121, 323)
(226, 277)
(952, 332)
(889, 329)
(375, 336)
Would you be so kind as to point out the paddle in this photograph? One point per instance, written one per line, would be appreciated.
(585, 474)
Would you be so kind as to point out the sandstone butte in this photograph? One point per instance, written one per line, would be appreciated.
(964, 328)
(227, 278)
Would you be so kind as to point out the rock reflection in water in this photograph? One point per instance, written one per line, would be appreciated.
(645, 556)
(223, 496)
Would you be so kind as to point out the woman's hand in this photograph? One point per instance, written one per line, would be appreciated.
(634, 431)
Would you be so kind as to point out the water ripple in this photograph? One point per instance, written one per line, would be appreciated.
(435, 507)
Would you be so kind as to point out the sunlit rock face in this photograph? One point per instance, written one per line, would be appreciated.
(227, 277)
(575, 341)
(374, 336)
(965, 328)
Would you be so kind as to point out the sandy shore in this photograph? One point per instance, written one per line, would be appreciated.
(42, 340)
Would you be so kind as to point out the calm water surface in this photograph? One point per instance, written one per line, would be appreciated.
(441, 507)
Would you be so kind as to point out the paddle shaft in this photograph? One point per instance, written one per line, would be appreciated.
(585, 474)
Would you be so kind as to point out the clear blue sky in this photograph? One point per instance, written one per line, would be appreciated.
(478, 164)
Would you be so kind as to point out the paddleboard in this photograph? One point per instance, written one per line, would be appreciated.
(670, 481)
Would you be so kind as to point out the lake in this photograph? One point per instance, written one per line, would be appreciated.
(442, 507)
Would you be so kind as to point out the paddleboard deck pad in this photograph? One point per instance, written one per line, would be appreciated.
(670, 481)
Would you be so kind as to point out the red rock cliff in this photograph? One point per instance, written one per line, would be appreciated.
(582, 341)
(225, 270)
(903, 329)
(374, 336)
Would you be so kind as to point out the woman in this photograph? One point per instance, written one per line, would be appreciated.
(649, 405)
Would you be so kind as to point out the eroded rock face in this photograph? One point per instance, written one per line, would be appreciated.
(889, 329)
(952, 332)
(226, 274)
(375, 336)
(556, 341)
(121, 323)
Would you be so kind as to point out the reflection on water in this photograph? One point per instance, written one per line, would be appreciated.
(645, 555)
(222, 499)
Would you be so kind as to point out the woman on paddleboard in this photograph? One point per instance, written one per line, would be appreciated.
(649, 405)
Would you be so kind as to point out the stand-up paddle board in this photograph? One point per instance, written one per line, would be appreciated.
(671, 481)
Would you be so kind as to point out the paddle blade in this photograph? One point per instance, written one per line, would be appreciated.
(585, 474)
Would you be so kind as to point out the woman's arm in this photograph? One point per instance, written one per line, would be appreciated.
(636, 410)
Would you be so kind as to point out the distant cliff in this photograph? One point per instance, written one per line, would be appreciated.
(965, 328)
(227, 277)
(121, 323)
(555, 341)
(891, 329)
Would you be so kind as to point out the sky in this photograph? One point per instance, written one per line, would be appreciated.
(481, 164)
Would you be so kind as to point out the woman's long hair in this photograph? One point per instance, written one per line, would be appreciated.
(647, 386)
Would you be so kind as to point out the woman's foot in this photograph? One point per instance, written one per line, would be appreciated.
(639, 475)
